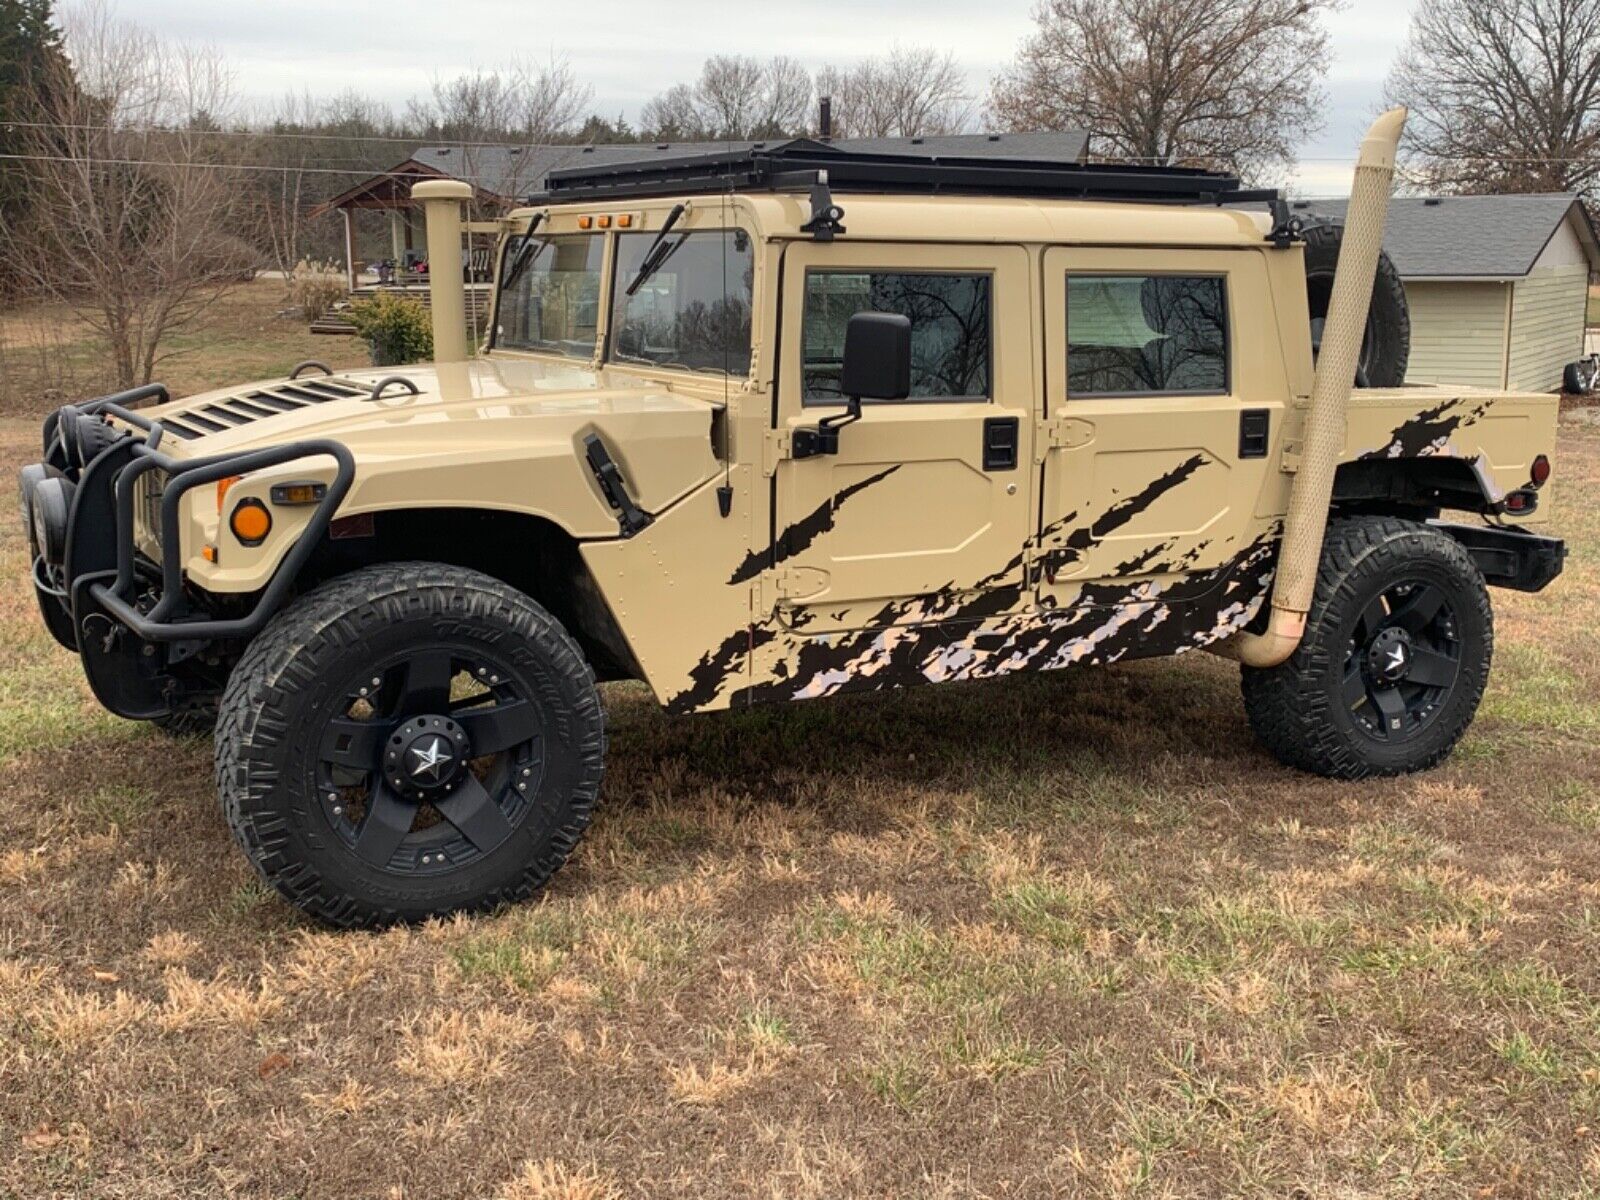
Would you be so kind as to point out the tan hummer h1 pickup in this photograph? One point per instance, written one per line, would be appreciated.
(781, 424)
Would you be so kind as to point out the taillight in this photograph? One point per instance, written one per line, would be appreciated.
(1540, 471)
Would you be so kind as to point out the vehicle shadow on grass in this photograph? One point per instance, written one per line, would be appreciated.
(1139, 742)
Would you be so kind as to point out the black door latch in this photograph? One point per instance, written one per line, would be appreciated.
(1000, 443)
(630, 517)
(1255, 429)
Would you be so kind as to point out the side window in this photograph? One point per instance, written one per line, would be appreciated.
(950, 317)
(1131, 335)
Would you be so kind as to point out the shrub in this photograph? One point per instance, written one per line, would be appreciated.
(397, 330)
(316, 287)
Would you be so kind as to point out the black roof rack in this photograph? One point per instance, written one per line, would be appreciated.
(824, 169)
(792, 164)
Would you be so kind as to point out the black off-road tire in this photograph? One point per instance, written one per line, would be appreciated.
(1298, 709)
(286, 688)
(1581, 378)
(1386, 348)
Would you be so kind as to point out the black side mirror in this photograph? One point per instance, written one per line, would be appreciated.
(877, 357)
(876, 366)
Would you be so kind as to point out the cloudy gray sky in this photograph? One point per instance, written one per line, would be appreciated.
(628, 50)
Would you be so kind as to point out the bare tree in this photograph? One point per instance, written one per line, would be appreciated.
(735, 97)
(138, 209)
(280, 188)
(526, 102)
(1504, 95)
(911, 92)
(1225, 83)
(673, 115)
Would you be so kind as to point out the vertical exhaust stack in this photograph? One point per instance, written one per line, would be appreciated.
(441, 205)
(1301, 550)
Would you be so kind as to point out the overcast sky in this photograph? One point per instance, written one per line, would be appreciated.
(628, 50)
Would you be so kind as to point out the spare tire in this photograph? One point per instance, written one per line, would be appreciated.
(1386, 348)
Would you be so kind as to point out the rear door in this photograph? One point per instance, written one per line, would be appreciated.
(929, 499)
(1166, 393)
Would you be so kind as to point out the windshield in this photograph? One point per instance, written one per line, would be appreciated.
(690, 301)
(550, 295)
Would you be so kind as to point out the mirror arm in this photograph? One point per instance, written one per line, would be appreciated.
(824, 439)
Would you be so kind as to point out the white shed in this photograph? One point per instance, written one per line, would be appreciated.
(1498, 285)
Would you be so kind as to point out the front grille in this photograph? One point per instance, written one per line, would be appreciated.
(228, 413)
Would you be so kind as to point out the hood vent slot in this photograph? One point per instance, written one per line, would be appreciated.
(233, 411)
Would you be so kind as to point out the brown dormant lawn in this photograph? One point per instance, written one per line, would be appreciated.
(1073, 935)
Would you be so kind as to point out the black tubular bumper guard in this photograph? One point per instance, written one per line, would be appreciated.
(166, 620)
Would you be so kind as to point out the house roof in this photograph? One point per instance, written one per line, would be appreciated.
(1466, 237)
(511, 172)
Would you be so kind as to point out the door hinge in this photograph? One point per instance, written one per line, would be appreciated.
(1062, 433)
(776, 445)
(1289, 457)
(785, 585)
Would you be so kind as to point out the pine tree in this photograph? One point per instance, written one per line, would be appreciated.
(30, 50)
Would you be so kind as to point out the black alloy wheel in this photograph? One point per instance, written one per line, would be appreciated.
(1405, 656)
(428, 761)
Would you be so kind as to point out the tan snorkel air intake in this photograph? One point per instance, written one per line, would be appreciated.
(1323, 442)
(441, 205)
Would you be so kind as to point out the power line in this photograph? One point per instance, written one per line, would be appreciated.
(478, 178)
(422, 141)
(412, 140)
(205, 166)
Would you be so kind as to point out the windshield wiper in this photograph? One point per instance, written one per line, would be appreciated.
(659, 252)
(525, 253)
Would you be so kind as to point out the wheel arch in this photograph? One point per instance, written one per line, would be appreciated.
(533, 554)
(1412, 487)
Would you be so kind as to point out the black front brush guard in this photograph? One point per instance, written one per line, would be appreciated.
(166, 620)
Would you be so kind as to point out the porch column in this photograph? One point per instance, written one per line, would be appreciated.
(349, 249)
(397, 235)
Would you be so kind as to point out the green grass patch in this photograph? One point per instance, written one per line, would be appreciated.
(1525, 1054)
(1535, 691)
(898, 1081)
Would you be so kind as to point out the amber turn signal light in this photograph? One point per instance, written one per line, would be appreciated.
(223, 484)
(298, 493)
(250, 522)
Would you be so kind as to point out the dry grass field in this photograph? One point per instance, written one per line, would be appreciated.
(1070, 936)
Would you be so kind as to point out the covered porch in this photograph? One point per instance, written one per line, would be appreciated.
(401, 259)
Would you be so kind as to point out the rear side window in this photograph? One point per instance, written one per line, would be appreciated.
(949, 329)
(1132, 335)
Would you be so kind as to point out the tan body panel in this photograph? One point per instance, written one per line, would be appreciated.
(1498, 434)
(503, 434)
(901, 560)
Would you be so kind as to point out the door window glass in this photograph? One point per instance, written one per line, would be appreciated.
(1130, 335)
(949, 329)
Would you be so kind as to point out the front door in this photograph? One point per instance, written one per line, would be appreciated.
(929, 499)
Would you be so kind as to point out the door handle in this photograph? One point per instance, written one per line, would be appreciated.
(1001, 436)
